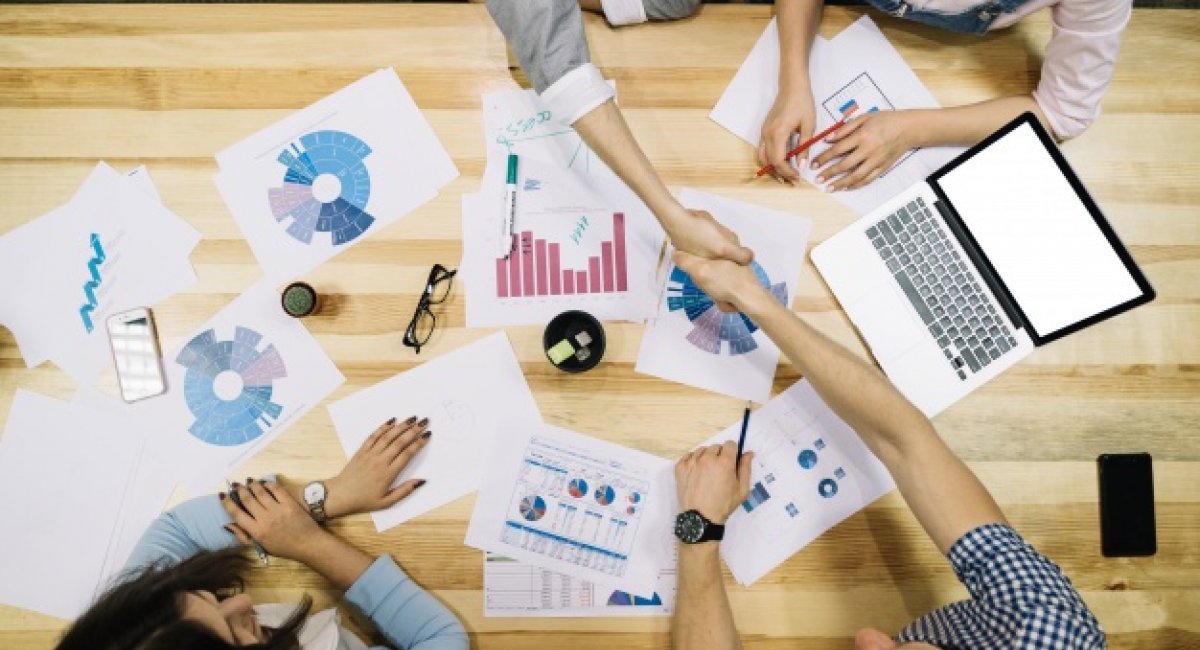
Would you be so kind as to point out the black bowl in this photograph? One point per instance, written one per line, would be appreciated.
(565, 326)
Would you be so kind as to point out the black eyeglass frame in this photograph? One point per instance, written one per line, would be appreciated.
(437, 275)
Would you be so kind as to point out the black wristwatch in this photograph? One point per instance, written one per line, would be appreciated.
(691, 527)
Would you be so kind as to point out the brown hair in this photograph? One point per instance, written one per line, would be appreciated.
(144, 609)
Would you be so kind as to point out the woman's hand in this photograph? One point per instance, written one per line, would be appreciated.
(867, 147)
(792, 113)
(273, 518)
(365, 483)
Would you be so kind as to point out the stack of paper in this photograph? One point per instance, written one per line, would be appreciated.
(576, 505)
(82, 490)
(584, 240)
(858, 71)
(322, 179)
(111, 248)
(512, 588)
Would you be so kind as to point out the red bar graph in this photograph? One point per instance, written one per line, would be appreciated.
(535, 267)
(555, 288)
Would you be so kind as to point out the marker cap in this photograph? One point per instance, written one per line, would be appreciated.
(512, 169)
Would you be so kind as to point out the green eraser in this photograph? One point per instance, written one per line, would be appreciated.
(561, 352)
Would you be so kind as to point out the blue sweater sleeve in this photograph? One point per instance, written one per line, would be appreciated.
(407, 615)
(183, 531)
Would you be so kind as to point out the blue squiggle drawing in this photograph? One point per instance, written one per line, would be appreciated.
(89, 287)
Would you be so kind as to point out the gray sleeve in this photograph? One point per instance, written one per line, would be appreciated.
(547, 36)
(670, 9)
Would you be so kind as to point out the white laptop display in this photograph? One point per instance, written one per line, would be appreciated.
(961, 276)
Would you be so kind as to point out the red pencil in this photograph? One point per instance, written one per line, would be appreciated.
(804, 145)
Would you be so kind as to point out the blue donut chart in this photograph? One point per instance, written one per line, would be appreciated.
(227, 423)
(827, 488)
(319, 153)
(711, 326)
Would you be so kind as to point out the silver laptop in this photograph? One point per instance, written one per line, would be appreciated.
(959, 277)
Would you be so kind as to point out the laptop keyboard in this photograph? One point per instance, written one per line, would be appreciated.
(963, 319)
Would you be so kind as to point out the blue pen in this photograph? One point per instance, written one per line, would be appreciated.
(745, 425)
(237, 501)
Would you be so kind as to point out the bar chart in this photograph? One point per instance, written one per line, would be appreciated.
(536, 267)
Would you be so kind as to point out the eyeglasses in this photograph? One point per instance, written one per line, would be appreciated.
(437, 289)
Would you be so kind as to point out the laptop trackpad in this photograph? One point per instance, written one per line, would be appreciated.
(886, 321)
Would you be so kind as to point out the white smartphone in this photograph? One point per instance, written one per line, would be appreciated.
(134, 342)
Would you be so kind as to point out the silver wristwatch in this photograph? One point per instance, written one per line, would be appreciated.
(314, 497)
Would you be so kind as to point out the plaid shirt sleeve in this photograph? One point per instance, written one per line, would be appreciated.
(1019, 599)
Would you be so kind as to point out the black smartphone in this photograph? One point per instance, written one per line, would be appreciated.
(1127, 505)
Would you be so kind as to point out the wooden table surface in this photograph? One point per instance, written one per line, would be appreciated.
(170, 86)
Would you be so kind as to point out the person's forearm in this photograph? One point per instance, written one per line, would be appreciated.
(703, 619)
(335, 559)
(605, 131)
(857, 392)
(966, 125)
(797, 22)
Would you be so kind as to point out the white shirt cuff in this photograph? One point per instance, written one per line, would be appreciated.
(577, 93)
(624, 12)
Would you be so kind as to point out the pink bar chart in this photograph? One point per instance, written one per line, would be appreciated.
(535, 267)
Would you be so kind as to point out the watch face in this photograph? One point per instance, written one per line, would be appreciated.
(314, 492)
(689, 526)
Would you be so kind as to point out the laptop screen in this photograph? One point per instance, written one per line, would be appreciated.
(1038, 234)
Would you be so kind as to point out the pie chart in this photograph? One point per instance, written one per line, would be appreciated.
(325, 187)
(807, 459)
(577, 488)
(605, 495)
(533, 508)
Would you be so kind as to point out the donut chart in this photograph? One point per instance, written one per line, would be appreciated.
(533, 508)
(321, 155)
(827, 488)
(711, 326)
(248, 415)
(626, 599)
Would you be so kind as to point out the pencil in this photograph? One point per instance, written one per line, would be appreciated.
(804, 145)
(745, 425)
(237, 501)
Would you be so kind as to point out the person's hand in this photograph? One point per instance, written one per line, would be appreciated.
(725, 282)
(365, 483)
(272, 517)
(697, 232)
(792, 113)
(711, 481)
(867, 147)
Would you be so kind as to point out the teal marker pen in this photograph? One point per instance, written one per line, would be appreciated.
(508, 240)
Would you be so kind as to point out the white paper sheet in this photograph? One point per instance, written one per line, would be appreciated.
(463, 393)
(858, 64)
(721, 352)
(586, 241)
(328, 176)
(514, 589)
(112, 247)
(234, 385)
(810, 472)
(66, 470)
(149, 486)
(584, 507)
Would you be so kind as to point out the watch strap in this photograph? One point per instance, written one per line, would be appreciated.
(712, 532)
(317, 509)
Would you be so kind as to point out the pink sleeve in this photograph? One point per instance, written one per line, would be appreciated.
(1080, 60)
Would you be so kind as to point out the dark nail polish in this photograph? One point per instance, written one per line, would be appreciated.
(236, 485)
(389, 422)
(249, 481)
(427, 434)
(419, 484)
(410, 420)
(423, 422)
(221, 496)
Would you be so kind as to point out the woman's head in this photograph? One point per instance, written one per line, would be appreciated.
(191, 605)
